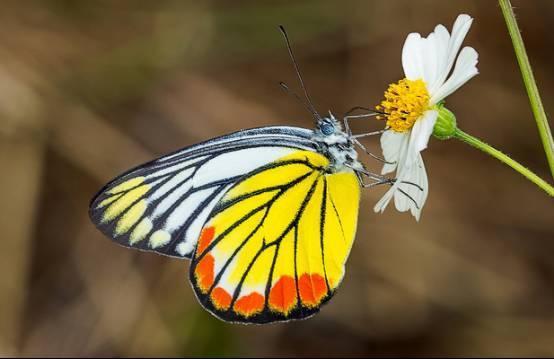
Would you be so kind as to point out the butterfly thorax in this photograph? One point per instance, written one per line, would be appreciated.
(336, 145)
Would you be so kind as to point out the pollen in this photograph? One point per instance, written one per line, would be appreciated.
(405, 102)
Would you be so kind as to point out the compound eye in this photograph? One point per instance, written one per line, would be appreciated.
(327, 129)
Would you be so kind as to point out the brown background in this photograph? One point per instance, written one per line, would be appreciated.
(91, 88)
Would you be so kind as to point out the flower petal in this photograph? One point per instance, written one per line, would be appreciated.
(466, 68)
(412, 189)
(459, 31)
(411, 186)
(408, 154)
(382, 204)
(422, 130)
(412, 61)
(392, 143)
(409, 191)
(429, 58)
(440, 41)
(419, 57)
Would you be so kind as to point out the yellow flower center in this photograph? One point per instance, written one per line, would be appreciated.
(405, 102)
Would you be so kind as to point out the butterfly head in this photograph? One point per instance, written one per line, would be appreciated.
(328, 126)
(328, 130)
(335, 143)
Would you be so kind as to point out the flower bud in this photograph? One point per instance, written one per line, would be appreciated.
(445, 127)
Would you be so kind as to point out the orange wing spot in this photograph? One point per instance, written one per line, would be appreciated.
(312, 289)
(282, 296)
(221, 299)
(249, 304)
(206, 237)
(204, 273)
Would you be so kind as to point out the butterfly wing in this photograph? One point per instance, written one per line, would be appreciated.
(275, 245)
(161, 206)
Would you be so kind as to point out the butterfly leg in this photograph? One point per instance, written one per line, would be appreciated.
(378, 180)
(348, 116)
(390, 182)
(359, 144)
(354, 138)
(352, 117)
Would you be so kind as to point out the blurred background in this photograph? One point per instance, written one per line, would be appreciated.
(89, 89)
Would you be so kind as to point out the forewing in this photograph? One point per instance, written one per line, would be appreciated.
(161, 206)
(275, 246)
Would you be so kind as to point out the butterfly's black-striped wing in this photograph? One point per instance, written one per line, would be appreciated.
(162, 205)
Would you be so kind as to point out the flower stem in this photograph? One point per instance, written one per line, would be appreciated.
(529, 80)
(480, 145)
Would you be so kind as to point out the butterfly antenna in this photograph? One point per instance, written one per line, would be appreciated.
(288, 91)
(297, 69)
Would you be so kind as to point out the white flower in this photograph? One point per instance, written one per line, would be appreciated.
(410, 108)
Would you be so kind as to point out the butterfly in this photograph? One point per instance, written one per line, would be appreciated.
(267, 216)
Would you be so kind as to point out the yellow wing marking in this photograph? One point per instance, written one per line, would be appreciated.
(309, 252)
(258, 273)
(314, 158)
(285, 208)
(130, 217)
(269, 178)
(239, 210)
(124, 201)
(159, 238)
(108, 200)
(227, 246)
(341, 216)
(141, 231)
(124, 186)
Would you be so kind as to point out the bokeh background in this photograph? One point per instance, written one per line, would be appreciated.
(89, 89)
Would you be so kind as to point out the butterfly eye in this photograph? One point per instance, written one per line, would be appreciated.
(327, 129)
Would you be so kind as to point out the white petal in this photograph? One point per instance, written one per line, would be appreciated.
(436, 56)
(440, 39)
(392, 143)
(430, 58)
(419, 58)
(384, 201)
(410, 190)
(422, 130)
(395, 146)
(408, 196)
(459, 32)
(411, 57)
(466, 68)
(408, 154)
(411, 186)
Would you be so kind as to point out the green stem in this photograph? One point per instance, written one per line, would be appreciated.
(480, 145)
(529, 80)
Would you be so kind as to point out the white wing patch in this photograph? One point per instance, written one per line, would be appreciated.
(193, 231)
(237, 163)
(180, 214)
(172, 183)
(172, 198)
